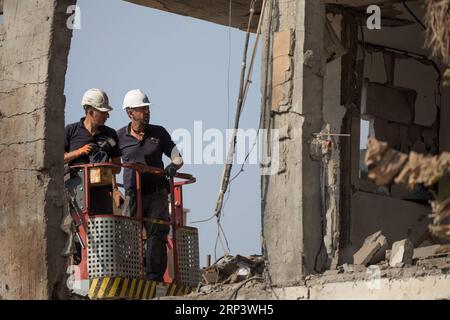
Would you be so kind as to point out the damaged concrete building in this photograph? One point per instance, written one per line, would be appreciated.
(330, 80)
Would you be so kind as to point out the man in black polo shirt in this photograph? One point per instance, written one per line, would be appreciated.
(89, 140)
(141, 142)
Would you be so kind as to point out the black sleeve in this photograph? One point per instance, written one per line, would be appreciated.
(67, 139)
(115, 151)
(167, 142)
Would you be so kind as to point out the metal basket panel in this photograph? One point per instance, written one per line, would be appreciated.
(188, 256)
(114, 247)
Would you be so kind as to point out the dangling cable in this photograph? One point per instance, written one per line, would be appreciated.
(243, 88)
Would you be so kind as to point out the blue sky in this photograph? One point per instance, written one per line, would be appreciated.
(182, 64)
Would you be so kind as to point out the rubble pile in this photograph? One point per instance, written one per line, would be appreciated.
(372, 251)
(233, 277)
(376, 258)
(233, 269)
(376, 251)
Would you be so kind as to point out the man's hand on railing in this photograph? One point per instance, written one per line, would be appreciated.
(171, 170)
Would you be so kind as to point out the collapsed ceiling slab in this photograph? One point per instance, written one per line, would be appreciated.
(360, 3)
(217, 11)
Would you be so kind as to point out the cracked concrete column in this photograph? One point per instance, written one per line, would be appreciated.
(33, 62)
(293, 73)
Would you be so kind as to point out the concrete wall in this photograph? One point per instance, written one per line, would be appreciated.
(396, 218)
(414, 75)
(423, 132)
(373, 284)
(367, 287)
(291, 198)
(432, 287)
(333, 114)
(33, 63)
(370, 212)
(424, 288)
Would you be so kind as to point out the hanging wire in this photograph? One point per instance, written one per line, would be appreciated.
(245, 83)
(229, 65)
(246, 158)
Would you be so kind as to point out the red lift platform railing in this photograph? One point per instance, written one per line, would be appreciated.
(112, 255)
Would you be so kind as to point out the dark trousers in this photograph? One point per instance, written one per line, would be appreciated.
(100, 200)
(155, 206)
(156, 252)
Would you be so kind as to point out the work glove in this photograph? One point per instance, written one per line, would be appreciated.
(86, 149)
(171, 170)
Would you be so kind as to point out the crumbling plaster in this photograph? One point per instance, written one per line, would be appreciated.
(292, 222)
(428, 279)
(369, 212)
(33, 60)
(433, 287)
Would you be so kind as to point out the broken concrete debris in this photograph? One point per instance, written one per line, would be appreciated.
(388, 167)
(372, 251)
(425, 252)
(350, 268)
(232, 269)
(230, 273)
(375, 251)
(210, 276)
(413, 169)
(401, 253)
(333, 272)
(363, 255)
(441, 213)
(433, 251)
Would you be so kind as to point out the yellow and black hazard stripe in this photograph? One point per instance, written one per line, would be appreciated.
(138, 289)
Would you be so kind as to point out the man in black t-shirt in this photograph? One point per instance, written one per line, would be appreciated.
(89, 140)
(141, 142)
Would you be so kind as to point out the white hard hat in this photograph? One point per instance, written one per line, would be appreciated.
(97, 99)
(135, 99)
